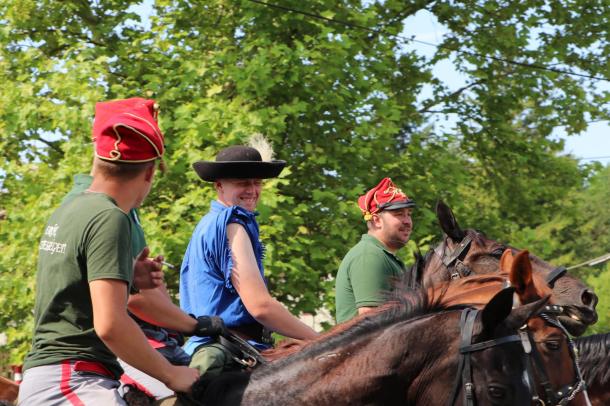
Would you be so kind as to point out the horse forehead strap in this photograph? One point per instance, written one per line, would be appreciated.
(380, 197)
(459, 250)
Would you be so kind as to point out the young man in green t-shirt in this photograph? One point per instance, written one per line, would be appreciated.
(159, 318)
(367, 271)
(85, 271)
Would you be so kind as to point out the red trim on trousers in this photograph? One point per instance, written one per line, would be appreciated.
(128, 380)
(156, 344)
(64, 385)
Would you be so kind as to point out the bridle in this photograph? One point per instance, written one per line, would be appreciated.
(453, 261)
(531, 359)
(534, 361)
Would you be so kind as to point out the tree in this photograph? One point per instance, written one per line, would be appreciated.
(339, 102)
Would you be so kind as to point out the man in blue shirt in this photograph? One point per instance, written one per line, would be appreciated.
(222, 270)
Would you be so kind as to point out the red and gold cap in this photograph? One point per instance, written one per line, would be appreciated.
(127, 131)
(384, 196)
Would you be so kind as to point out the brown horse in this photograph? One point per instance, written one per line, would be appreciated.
(594, 354)
(454, 258)
(408, 352)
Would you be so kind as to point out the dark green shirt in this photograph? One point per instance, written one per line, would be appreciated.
(364, 276)
(87, 238)
(138, 241)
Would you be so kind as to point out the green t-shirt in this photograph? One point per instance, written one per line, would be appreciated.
(82, 183)
(364, 276)
(87, 238)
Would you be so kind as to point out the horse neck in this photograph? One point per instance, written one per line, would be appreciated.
(380, 367)
(434, 271)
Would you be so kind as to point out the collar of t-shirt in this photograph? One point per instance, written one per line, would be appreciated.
(369, 238)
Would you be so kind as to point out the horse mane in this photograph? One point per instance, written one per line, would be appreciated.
(594, 352)
(407, 307)
(403, 304)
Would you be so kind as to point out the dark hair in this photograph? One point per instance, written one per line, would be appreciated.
(121, 170)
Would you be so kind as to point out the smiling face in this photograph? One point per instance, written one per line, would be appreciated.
(392, 227)
(239, 192)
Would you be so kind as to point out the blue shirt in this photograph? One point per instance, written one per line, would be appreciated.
(205, 276)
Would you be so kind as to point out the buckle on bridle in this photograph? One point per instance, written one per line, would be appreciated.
(469, 389)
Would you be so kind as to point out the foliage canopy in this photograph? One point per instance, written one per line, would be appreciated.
(344, 106)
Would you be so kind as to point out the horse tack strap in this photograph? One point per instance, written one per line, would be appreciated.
(243, 353)
(555, 274)
(488, 344)
(452, 260)
(464, 370)
(462, 246)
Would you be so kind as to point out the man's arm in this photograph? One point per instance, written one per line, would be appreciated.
(250, 286)
(364, 309)
(156, 307)
(125, 339)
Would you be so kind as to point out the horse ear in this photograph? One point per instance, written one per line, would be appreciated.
(520, 315)
(497, 309)
(448, 222)
(521, 277)
(506, 261)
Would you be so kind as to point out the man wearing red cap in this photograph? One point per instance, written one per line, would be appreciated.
(85, 271)
(366, 272)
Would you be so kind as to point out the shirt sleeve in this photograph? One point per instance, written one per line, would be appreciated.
(369, 279)
(107, 247)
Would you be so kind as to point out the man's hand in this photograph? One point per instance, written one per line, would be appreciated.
(210, 326)
(182, 379)
(147, 273)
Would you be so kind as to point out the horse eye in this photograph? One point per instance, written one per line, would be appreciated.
(496, 392)
(498, 252)
(553, 345)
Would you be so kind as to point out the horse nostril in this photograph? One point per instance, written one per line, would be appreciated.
(589, 298)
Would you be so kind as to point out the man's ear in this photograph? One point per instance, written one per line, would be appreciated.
(376, 220)
(149, 173)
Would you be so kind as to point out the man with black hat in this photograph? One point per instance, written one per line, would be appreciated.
(222, 271)
(85, 271)
(368, 269)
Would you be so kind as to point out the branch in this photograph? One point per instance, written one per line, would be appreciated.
(51, 144)
(407, 12)
(453, 95)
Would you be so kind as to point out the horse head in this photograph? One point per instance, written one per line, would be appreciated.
(552, 368)
(553, 356)
(464, 252)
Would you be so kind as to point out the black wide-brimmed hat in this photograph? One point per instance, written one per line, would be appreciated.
(238, 162)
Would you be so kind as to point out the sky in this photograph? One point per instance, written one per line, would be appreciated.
(592, 143)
